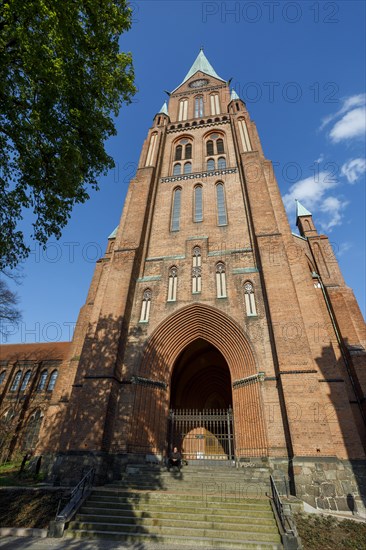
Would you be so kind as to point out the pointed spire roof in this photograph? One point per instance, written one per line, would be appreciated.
(164, 109)
(233, 95)
(201, 64)
(301, 210)
(113, 234)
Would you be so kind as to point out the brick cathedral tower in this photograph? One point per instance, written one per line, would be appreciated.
(206, 305)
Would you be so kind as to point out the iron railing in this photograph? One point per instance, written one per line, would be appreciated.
(79, 493)
(207, 434)
(286, 520)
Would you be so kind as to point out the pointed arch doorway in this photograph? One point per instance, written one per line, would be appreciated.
(200, 416)
(169, 346)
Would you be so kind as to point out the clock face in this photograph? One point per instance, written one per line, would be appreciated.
(198, 83)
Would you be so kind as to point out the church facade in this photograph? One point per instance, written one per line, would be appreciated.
(208, 323)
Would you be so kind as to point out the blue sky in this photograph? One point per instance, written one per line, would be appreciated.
(300, 67)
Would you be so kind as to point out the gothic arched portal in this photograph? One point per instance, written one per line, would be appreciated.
(197, 323)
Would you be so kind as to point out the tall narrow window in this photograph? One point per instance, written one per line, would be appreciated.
(183, 109)
(244, 136)
(221, 208)
(188, 151)
(151, 151)
(177, 193)
(209, 147)
(187, 167)
(52, 382)
(31, 434)
(196, 270)
(16, 381)
(215, 105)
(176, 169)
(221, 163)
(178, 152)
(42, 381)
(198, 107)
(2, 377)
(220, 146)
(172, 284)
(249, 299)
(220, 280)
(198, 206)
(210, 164)
(145, 306)
(25, 380)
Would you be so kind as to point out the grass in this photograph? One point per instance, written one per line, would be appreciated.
(329, 533)
(10, 475)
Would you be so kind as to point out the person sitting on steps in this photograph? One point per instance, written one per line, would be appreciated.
(175, 459)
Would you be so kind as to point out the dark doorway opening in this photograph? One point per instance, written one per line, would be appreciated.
(201, 417)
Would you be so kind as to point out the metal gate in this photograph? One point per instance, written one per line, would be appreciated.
(205, 435)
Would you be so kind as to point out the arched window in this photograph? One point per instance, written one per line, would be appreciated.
(221, 163)
(221, 208)
(172, 284)
(198, 203)
(7, 418)
(244, 136)
(188, 151)
(52, 382)
(42, 381)
(25, 380)
(249, 299)
(220, 280)
(145, 306)
(31, 434)
(187, 167)
(175, 220)
(209, 148)
(215, 104)
(220, 146)
(183, 109)
(16, 381)
(196, 270)
(210, 164)
(198, 107)
(178, 152)
(2, 377)
(151, 151)
(176, 169)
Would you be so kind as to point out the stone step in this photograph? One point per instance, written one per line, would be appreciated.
(104, 515)
(172, 500)
(246, 524)
(169, 541)
(162, 496)
(156, 509)
(209, 531)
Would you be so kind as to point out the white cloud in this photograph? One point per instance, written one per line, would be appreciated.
(333, 207)
(353, 169)
(342, 248)
(351, 125)
(311, 192)
(349, 103)
(349, 120)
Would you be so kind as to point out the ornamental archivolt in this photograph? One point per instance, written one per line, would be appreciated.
(248, 287)
(196, 272)
(147, 295)
(220, 268)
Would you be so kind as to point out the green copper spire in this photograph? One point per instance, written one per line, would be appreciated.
(164, 109)
(233, 95)
(301, 210)
(201, 64)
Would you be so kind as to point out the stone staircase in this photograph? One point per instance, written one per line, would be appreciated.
(212, 507)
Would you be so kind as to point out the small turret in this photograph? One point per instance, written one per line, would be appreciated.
(304, 221)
